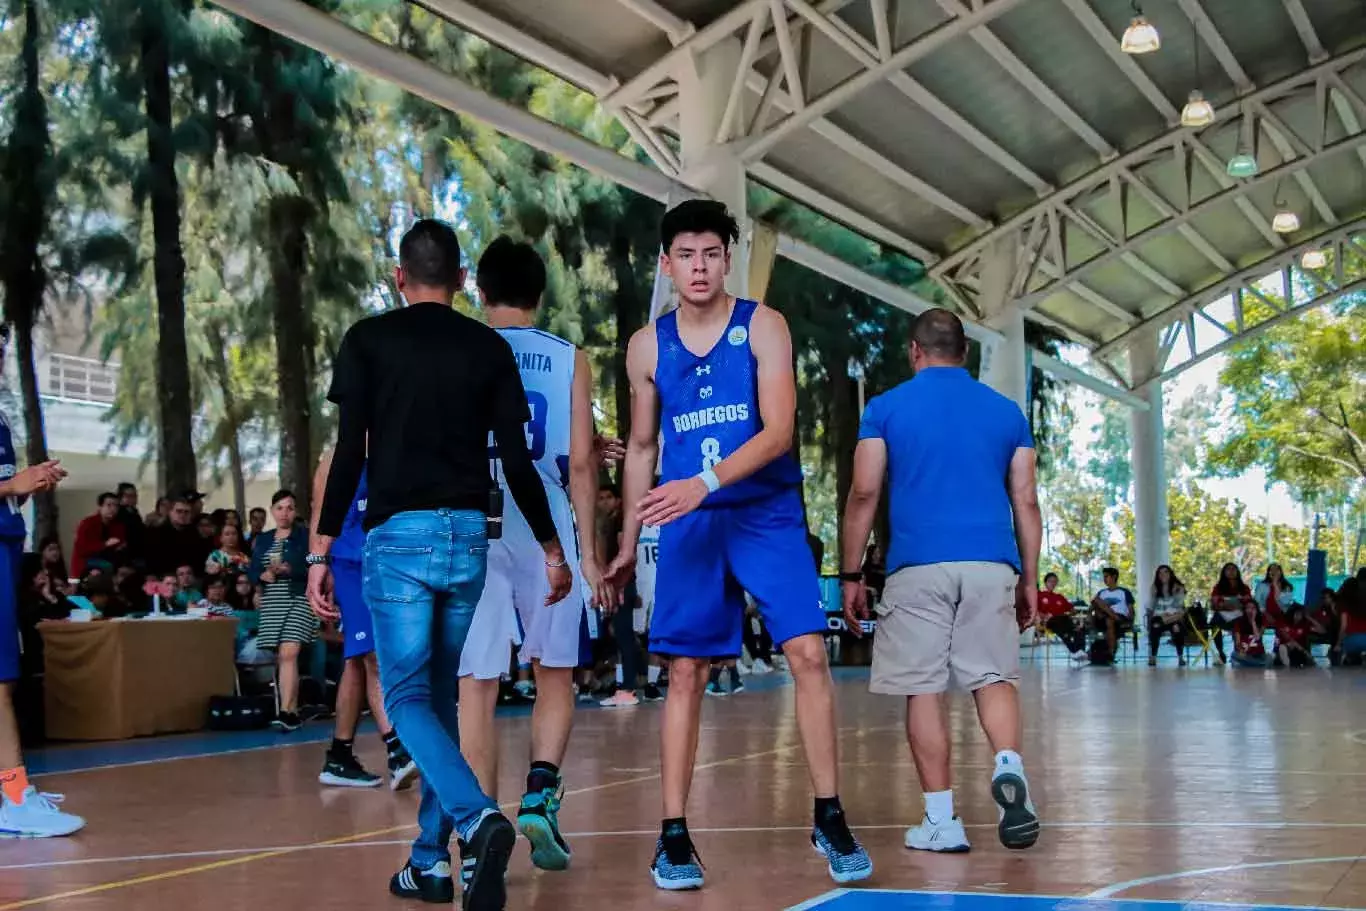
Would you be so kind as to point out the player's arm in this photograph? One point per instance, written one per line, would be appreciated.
(642, 448)
(43, 476)
(771, 343)
(860, 511)
(319, 583)
(1024, 505)
(319, 492)
(583, 477)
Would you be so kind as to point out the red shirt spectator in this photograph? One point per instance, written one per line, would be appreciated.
(1053, 604)
(99, 537)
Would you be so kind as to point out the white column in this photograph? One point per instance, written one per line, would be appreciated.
(1152, 525)
(1004, 363)
(704, 82)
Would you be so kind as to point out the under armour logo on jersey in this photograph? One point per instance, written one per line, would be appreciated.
(704, 392)
(704, 370)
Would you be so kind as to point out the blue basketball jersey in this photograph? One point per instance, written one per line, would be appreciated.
(350, 544)
(11, 514)
(546, 363)
(709, 408)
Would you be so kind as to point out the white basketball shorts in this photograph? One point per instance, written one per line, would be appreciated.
(513, 611)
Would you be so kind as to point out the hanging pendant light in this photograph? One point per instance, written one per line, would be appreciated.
(1198, 112)
(1242, 166)
(1285, 221)
(1140, 37)
(1314, 259)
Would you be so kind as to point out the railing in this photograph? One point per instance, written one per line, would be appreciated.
(80, 379)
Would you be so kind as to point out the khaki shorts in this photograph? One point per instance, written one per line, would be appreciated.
(948, 623)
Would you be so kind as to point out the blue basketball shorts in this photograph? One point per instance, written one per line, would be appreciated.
(708, 560)
(11, 557)
(358, 630)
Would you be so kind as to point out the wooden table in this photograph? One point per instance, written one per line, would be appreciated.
(116, 679)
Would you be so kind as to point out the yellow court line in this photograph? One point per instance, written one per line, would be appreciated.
(359, 836)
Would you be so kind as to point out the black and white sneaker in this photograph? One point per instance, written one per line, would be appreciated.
(653, 693)
(347, 773)
(402, 770)
(484, 864)
(434, 886)
(287, 722)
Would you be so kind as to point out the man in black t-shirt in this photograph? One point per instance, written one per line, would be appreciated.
(419, 391)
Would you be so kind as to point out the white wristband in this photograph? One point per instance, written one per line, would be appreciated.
(711, 480)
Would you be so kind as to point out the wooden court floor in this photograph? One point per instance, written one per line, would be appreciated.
(1196, 785)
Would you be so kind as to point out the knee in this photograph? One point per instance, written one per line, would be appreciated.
(689, 675)
(806, 655)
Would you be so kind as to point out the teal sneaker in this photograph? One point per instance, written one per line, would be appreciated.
(538, 819)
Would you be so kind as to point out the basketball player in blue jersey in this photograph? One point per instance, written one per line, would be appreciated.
(718, 372)
(360, 674)
(558, 381)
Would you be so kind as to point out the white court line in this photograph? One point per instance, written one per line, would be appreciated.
(1117, 888)
(720, 830)
(819, 900)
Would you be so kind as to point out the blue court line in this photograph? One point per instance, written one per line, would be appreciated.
(900, 900)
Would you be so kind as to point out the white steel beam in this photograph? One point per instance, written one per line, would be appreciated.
(678, 29)
(1242, 279)
(1305, 28)
(1066, 371)
(1100, 32)
(1216, 169)
(1149, 150)
(1216, 43)
(1031, 81)
(757, 147)
(1286, 169)
(1288, 145)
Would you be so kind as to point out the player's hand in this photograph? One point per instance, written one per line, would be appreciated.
(320, 593)
(610, 450)
(671, 501)
(43, 476)
(561, 581)
(855, 596)
(1026, 604)
(600, 587)
(620, 571)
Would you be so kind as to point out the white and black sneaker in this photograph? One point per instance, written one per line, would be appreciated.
(434, 886)
(1019, 824)
(287, 722)
(945, 837)
(402, 770)
(484, 863)
(347, 772)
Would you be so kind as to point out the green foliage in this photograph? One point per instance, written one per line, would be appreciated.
(1299, 402)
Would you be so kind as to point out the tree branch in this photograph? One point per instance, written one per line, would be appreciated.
(1327, 458)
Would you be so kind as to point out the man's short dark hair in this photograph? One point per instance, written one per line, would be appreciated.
(511, 274)
(609, 487)
(256, 511)
(216, 581)
(429, 254)
(939, 333)
(1050, 576)
(1109, 571)
(127, 487)
(99, 501)
(182, 500)
(698, 216)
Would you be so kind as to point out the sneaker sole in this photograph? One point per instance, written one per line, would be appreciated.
(932, 849)
(676, 885)
(50, 833)
(336, 781)
(487, 890)
(843, 878)
(546, 852)
(403, 779)
(1019, 827)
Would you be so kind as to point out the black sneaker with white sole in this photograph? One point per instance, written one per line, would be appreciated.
(402, 770)
(347, 772)
(434, 886)
(484, 864)
(287, 722)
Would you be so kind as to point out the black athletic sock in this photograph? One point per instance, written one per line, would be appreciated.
(714, 678)
(391, 742)
(341, 749)
(542, 775)
(828, 810)
(734, 678)
(677, 842)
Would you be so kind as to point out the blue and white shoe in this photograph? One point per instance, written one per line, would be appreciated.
(539, 820)
(847, 860)
(678, 873)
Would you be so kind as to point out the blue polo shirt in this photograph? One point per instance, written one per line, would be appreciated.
(949, 441)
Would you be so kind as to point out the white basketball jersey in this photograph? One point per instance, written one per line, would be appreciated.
(647, 558)
(546, 363)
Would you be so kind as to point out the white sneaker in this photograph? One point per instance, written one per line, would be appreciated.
(761, 667)
(1019, 823)
(620, 699)
(946, 837)
(36, 817)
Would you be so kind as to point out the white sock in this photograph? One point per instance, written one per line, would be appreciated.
(652, 674)
(621, 678)
(1009, 759)
(939, 806)
(467, 832)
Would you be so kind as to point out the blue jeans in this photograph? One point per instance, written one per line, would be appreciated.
(424, 573)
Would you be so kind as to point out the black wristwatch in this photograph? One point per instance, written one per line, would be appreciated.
(318, 559)
(852, 577)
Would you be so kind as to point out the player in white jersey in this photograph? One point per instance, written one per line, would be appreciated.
(558, 382)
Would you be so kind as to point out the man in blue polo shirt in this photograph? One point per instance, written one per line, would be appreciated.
(964, 551)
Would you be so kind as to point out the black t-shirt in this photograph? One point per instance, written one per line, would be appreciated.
(426, 385)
